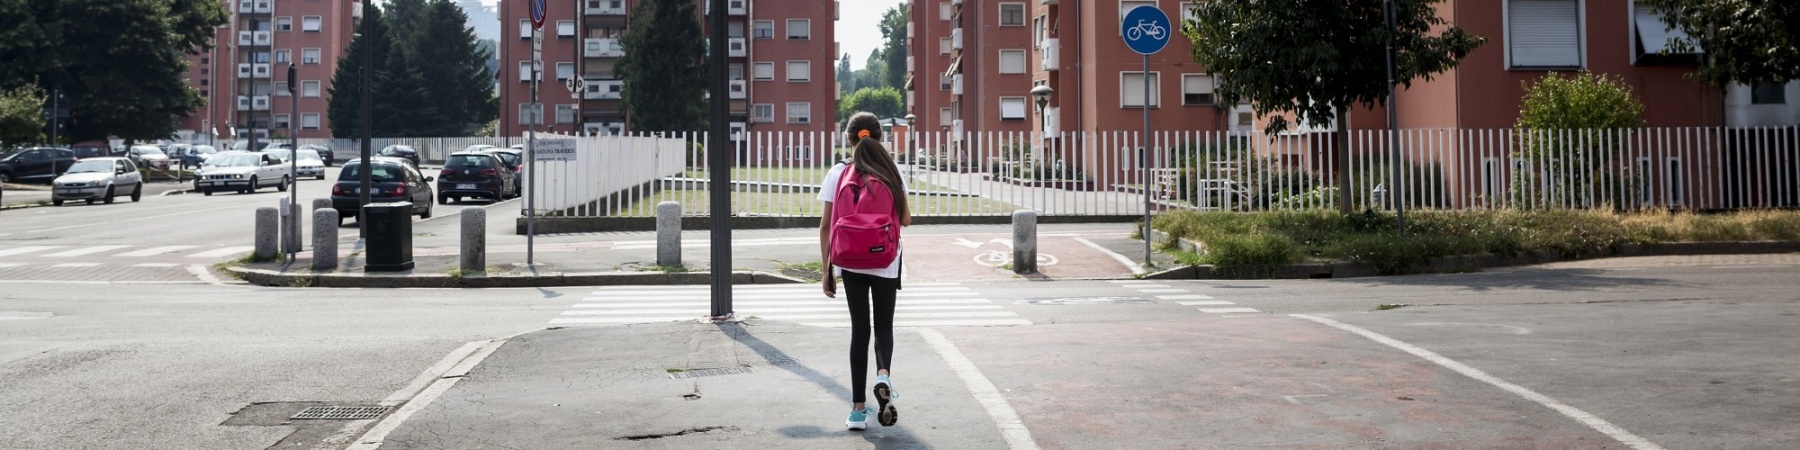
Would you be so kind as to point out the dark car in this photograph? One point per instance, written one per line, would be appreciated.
(36, 164)
(401, 151)
(514, 160)
(391, 180)
(325, 153)
(476, 174)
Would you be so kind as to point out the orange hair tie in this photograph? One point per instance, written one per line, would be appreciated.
(864, 134)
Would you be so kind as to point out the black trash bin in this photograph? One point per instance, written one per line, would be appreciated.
(389, 240)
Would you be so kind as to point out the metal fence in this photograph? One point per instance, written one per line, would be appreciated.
(1111, 173)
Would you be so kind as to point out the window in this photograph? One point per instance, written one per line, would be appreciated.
(799, 29)
(310, 24)
(1127, 5)
(944, 117)
(284, 24)
(309, 121)
(281, 121)
(309, 88)
(525, 29)
(943, 46)
(565, 28)
(762, 112)
(1543, 34)
(1653, 33)
(281, 89)
(1012, 108)
(205, 61)
(310, 56)
(1012, 14)
(565, 113)
(525, 74)
(763, 29)
(531, 114)
(1196, 89)
(281, 56)
(205, 93)
(799, 112)
(202, 80)
(1012, 61)
(734, 72)
(1768, 94)
(735, 30)
(204, 71)
(564, 70)
(799, 70)
(1187, 12)
(763, 71)
(944, 81)
(945, 11)
(1131, 89)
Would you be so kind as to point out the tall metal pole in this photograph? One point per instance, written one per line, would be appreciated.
(1144, 161)
(718, 162)
(55, 113)
(293, 159)
(537, 39)
(1393, 124)
(363, 179)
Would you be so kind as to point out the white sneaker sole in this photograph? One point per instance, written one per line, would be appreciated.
(887, 414)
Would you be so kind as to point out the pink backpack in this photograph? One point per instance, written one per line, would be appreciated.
(865, 230)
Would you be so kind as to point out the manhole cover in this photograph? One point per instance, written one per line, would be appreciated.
(1085, 301)
(341, 412)
(698, 373)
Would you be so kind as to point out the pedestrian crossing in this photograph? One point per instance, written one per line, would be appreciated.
(1184, 297)
(67, 252)
(917, 305)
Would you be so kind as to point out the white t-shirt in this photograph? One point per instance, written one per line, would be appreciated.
(828, 193)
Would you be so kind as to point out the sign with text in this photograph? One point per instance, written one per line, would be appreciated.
(553, 150)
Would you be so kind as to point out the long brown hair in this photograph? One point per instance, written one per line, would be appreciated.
(872, 159)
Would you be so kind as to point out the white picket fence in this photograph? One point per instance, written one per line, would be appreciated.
(1107, 173)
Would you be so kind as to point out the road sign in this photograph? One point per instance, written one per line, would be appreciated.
(575, 85)
(553, 150)
(1145, 29)
(537, 13)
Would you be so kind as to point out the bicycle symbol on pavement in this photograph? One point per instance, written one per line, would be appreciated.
(1145, 27)
(997, 258)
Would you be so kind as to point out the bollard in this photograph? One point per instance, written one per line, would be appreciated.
(668, 234)
(267, 233)
(1024, 247)
(474, 241)
(321, 203)
(325, 238)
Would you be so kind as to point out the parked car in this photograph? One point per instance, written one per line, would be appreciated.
(325, 153)
(401, 151)
(148, 156)
(391, 180)
(35, 164)
(244, 172)
(197, 155)
(282, 154)
(93, 149)
(98, 179)
(514, 160)
(476, 174)
(478, 148)
(309, 165)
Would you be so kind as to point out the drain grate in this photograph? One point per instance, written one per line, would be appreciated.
(341, 412)
(700, 373)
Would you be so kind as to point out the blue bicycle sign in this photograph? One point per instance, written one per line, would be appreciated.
(1146, 29)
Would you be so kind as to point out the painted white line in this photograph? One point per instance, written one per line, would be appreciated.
(378, 433)
(2, 265)
(1132, 281)
(89, 250)
(814, 295)
(1185, 297)
(1017, 436)
(836, 303)
(92, 283)
(204, 275)
(581, 320)
(1129, 264)
(76, 265)
(24, 250)
(932, 323)
(155, 265)
(134, 219)
(749, 287)
(1592, 421)
(1205, 303)
(897, 316)
(1162, 291)
(767, 293)
(758, 311)
(1228, 310)
(1149, 286)
(222, 252)
(153, 251)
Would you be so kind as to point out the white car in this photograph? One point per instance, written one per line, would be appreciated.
(244, 172)
(98, 179)
(309, 165)
(148, 156)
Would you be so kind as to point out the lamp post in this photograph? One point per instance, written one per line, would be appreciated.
(1041, 94)
(910, 148)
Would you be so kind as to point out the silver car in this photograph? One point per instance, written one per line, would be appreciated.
(309, 164)
(98, 179)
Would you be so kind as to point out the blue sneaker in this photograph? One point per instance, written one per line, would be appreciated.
(885, 395)
(858, 420)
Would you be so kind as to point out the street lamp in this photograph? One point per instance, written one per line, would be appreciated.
(911, 154)
(1041, 94)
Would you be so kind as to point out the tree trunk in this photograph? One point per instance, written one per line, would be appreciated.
(1340, 159)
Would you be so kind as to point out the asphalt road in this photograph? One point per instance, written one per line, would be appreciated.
(1673, 352)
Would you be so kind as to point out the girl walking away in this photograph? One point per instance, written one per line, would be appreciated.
(859, 240)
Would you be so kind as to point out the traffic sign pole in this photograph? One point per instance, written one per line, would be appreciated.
(1146, 30)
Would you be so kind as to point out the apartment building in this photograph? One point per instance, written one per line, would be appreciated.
(780, 57)
(244, 78)
(974, 64)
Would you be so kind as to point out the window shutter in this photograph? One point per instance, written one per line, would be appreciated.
(1652, 32)
(1544, 33)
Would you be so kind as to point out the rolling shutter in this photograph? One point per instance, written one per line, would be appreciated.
(1544, 33)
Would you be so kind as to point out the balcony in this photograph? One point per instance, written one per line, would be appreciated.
(604, 8)
(244, 70)
(956, 130)
(1047, 56)
(255, 6)
(1052, 117)
(732, 7)
(738, 129)
(243, 103)
(956, 84)
(956, 39)
(245, 37)
(737, 48)
(262, 37)
(604, 128)
(739, 89)
(909, 63)
(603, 89)
(602, 48)
(259, 102)
(260, 70)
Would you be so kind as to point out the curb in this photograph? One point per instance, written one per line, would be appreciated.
(264, 277)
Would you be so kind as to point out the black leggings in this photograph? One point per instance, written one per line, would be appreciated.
(858, 289)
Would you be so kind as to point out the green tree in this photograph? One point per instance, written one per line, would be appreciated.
(885, 102)
(845, 76)
(1745, 41)
(1315, 59)
(874, 71)
(119, 63)
(663, 68)
(1568, 129)
(446, 55)
(893, 28)
(345, 105)
(21, 121)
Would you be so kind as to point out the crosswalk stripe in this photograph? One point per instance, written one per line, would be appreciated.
(677, 296)
(897, 316)
(701, 309)
(1227, 310)
(579, 320)
(1131, 282)
(837, 303)
(1145, 286)
(1162, 291)
(156, 265)
(1185, 297)
(932, 323)
(24, 250)
(741, 293)
(910, 286)
(5, 265)
(89, 250)
(1205, 303)
(74, 265)
(226, 251)
(153, 251)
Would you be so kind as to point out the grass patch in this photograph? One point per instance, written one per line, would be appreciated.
(1388, 306)
(301, 282)
(1250, 243)
(811, 271)
(696, 202)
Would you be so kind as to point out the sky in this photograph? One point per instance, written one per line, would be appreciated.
(858, 27)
